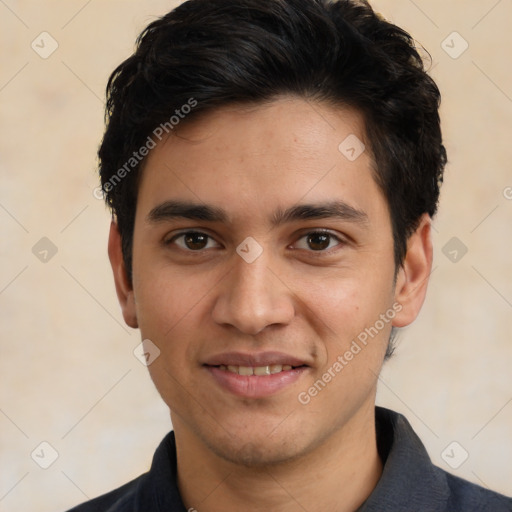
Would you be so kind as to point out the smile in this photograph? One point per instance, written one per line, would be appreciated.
(257, 370)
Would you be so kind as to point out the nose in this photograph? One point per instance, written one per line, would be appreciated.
(253, 297)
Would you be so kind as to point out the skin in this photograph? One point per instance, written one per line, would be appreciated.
(298, 297)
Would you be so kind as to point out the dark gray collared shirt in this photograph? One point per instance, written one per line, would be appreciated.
(409, 482)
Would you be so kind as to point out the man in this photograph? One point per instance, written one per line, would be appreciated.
(273, 167)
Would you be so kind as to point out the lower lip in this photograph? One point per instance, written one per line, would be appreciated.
(255, 386)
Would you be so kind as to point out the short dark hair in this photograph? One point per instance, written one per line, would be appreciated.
(206, 54)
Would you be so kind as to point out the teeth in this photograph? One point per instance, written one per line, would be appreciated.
(245, 370)
(257, 370)
(261, 370)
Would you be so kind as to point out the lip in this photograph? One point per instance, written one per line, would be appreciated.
(254, 359)
(255, 386)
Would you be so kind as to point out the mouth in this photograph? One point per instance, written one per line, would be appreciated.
(255, 375)
(260, 371)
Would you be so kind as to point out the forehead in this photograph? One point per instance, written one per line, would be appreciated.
(253, 159)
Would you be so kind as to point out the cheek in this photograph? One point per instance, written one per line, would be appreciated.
(165, 298)
(168, 314)
(357, 321)
(173, 307)
(347, 314)
(346, 304)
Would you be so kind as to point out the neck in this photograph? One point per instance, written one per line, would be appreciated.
(338, 475)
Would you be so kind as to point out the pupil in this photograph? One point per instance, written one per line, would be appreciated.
(318, 241)
(195, 240)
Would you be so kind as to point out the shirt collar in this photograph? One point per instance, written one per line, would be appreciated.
(409, 480)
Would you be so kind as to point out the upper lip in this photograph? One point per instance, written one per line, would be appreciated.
(254, 359)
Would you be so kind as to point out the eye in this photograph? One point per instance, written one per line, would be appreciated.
(193, 241)
(318, 241)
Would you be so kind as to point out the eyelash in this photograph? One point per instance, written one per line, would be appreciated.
(332, 236)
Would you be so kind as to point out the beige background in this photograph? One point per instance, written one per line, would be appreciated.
(68, 373)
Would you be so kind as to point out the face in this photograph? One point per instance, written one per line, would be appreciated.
(263, 271)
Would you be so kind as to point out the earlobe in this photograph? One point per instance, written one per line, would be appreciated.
(124, 288)
(413, 275)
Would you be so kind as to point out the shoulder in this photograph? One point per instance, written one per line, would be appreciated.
(154, 490)
(464, 495)
(121, 499)
(410, 481)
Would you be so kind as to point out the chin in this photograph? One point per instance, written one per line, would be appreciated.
(253, 455)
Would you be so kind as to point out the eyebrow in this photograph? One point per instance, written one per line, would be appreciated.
(170, 210)
(333, 209)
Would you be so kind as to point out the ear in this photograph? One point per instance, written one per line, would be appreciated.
(124, 288)
(413, 275)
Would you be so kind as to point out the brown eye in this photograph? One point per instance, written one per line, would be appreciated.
(194, 241)
(319, 241)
